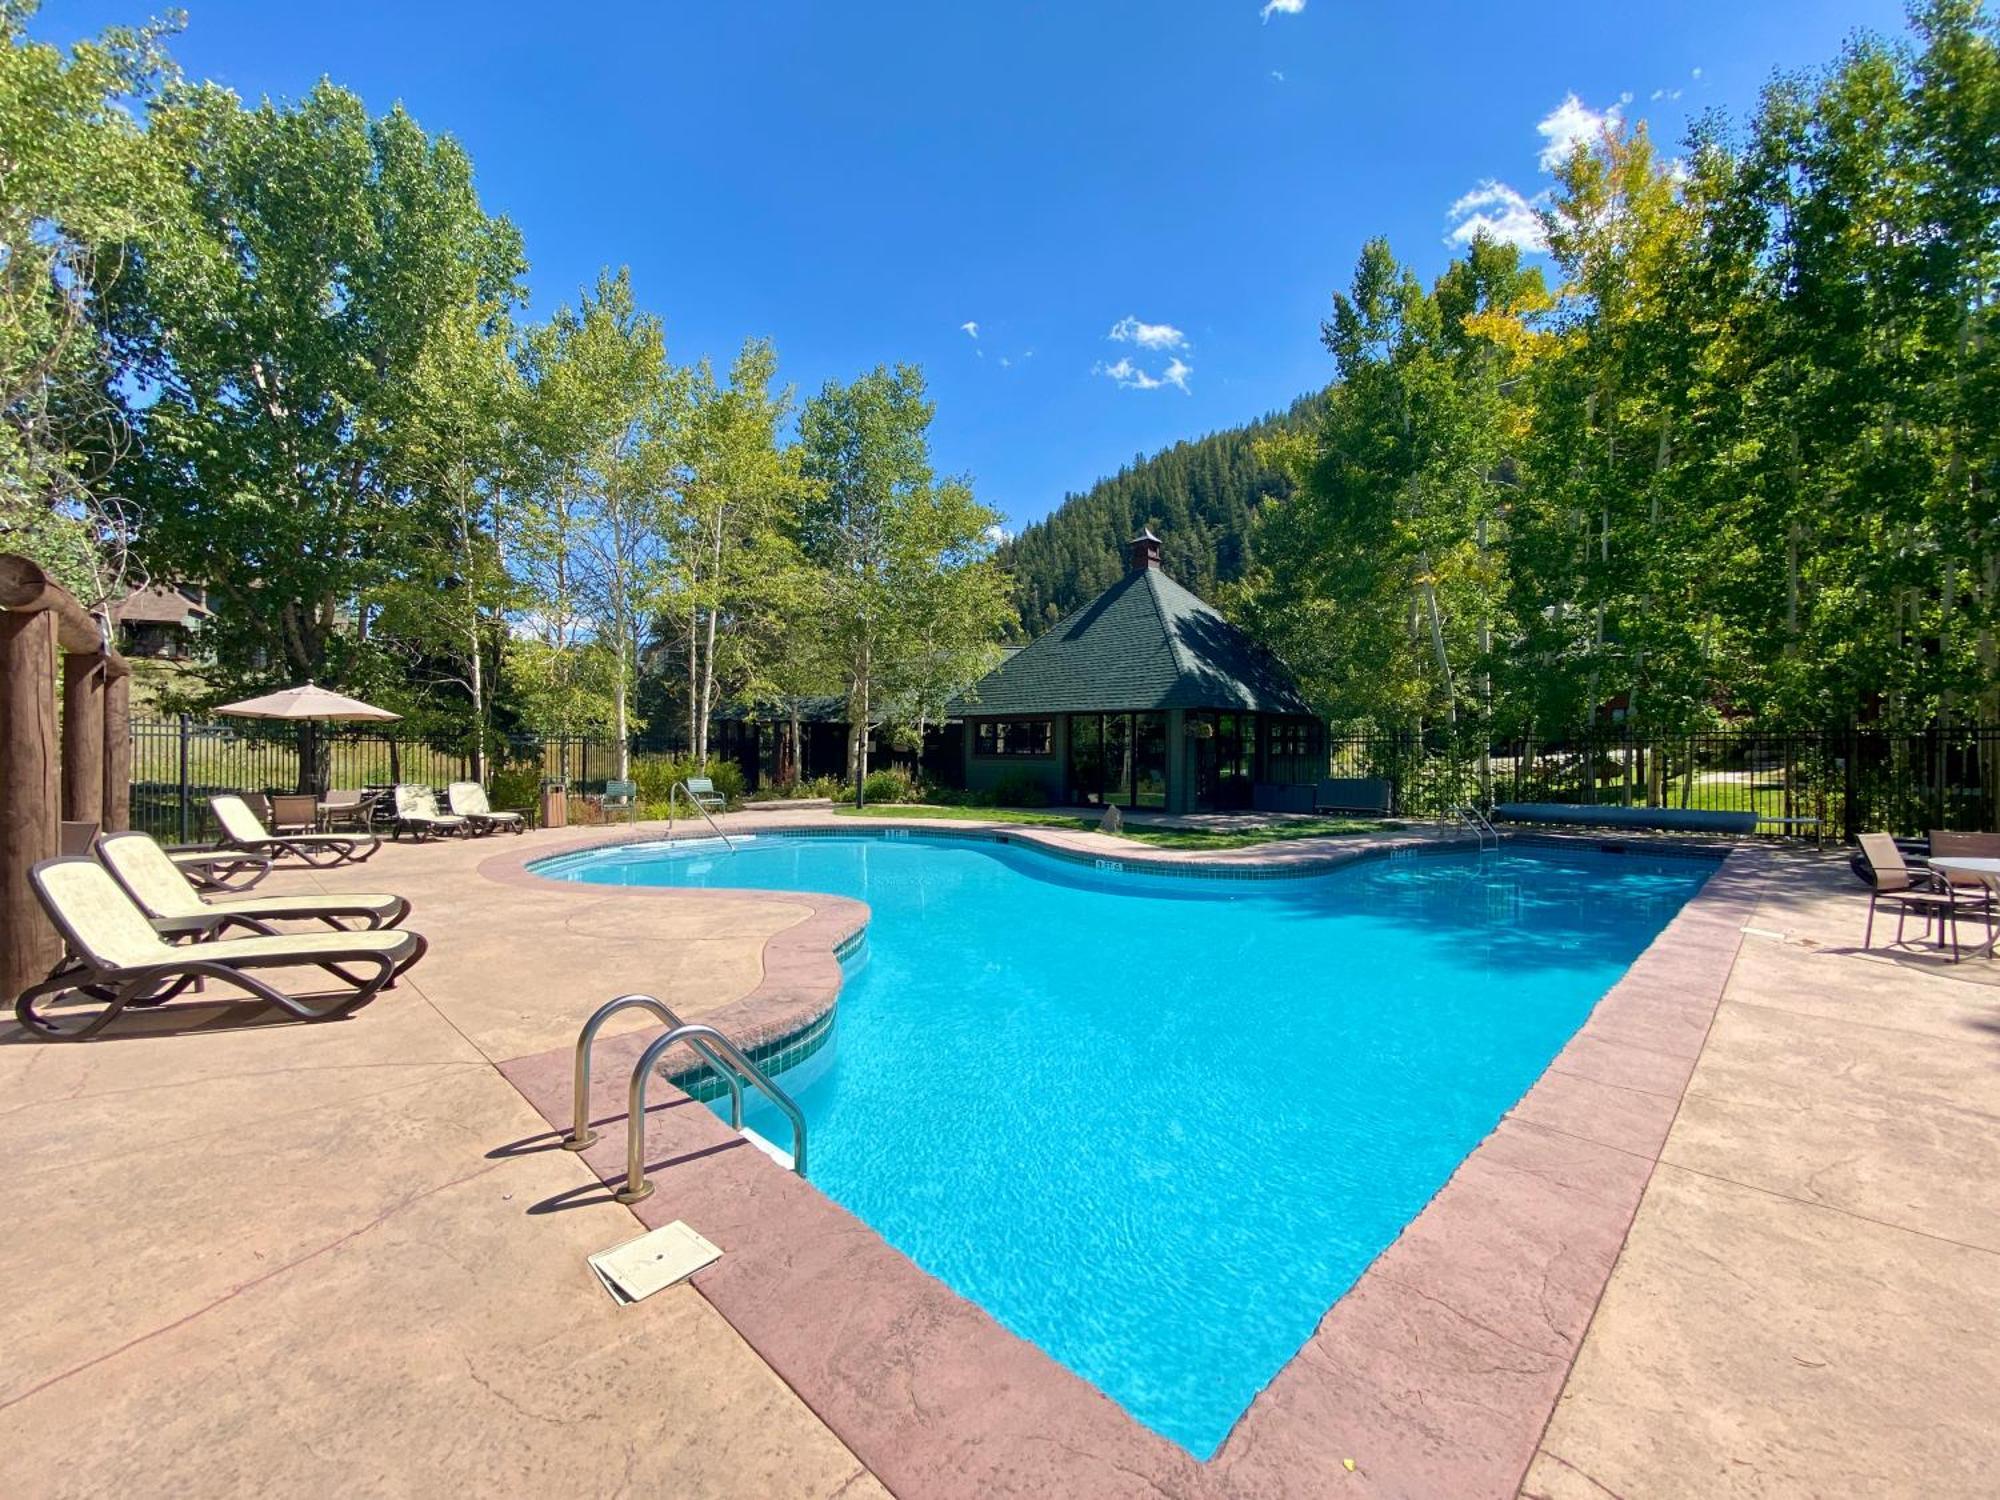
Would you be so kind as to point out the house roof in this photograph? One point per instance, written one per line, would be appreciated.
(1144, 643)
(158, 604)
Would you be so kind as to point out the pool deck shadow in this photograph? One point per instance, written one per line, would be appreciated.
(1740, 1238)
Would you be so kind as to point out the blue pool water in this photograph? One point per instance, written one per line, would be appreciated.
(1159, 1125)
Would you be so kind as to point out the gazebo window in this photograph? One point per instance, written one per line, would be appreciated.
(1013, 737)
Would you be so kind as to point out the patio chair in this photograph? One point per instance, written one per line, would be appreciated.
(75, 838)
(1924, 892)
(114, 955)
(417, 815)
(467, 800)
(241, 829)
(350, 808)
(701, 791)
(160, 890)
(294, 812)
(620, 797)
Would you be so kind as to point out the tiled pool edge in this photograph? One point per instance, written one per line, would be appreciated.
(1436, 1373)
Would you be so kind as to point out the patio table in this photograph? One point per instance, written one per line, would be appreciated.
(1986, 870)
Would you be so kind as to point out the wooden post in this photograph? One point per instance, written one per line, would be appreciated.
(117, 805)
(83, 739)
(28, 946)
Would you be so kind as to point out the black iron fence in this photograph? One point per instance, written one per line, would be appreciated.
(1847, 782)
(178, 764)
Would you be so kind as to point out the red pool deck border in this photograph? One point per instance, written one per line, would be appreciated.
(1434, 1375)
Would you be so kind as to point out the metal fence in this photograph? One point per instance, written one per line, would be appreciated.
(1850, 781)
(178, 764)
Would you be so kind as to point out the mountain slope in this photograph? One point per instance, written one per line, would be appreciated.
(1198, 495)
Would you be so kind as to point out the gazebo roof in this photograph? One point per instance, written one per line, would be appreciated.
(1145, 643)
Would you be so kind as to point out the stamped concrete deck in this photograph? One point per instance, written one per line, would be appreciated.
(307, 1259)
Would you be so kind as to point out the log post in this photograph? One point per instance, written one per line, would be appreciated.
(28, 945)
(117, 804)
(83, 738)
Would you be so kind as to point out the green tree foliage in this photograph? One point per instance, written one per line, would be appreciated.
(276, 339)
(912, 601)
(737, 567)
(1199, 496)
(1381, 580)
(1744, 462)
(79, 181)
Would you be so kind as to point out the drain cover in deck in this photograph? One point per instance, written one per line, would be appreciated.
(659, 1258)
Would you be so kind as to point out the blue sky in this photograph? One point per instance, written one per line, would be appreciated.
(860, 181)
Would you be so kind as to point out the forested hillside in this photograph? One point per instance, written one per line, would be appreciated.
(1198, 495)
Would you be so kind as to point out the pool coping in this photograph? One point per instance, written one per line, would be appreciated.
(1436, 1373)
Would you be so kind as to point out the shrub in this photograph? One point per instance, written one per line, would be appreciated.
(1017, 789)
(514, 787)
(892, 785)
(656, 776)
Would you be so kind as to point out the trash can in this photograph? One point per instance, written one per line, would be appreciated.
(555, 804)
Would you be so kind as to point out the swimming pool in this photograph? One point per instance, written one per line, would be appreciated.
(1158, 1125)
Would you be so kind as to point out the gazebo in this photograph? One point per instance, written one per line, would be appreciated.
(1146, 697)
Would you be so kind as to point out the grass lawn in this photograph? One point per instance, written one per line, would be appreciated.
(1158, 838)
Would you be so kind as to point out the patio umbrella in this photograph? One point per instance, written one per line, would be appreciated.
(307, 705)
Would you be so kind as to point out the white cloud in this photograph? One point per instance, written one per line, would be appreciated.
(1277, 75)
(1130, 377)
(1129, 330)
(1498, 212)
(970, 330)
(1696, 74)
(1006, 363)
(1568, 123)
(1282, 7)
(1668, 94)
(996, 535)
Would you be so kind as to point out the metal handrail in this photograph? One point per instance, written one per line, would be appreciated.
(674, 793)
(1480, 824)
(636, 1185)
(581, 1134)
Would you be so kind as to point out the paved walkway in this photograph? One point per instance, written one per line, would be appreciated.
(1808, 1302)
(303, 1260)
(314, 1259)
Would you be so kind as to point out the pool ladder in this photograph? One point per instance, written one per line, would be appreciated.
(681, 790)
(1478, 822)
(723, 1056)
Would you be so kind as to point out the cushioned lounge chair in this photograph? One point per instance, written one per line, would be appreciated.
(114, 956)
(152, 880)
(417, 815)
(1925, 892)
(241, 829)
(468, 801)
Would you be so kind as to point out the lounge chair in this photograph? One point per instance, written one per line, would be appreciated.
(241, 829)
(219, 869)
(468, 801)
(156, 884)
(114, 955)
(417, 815)
(1922, 891)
